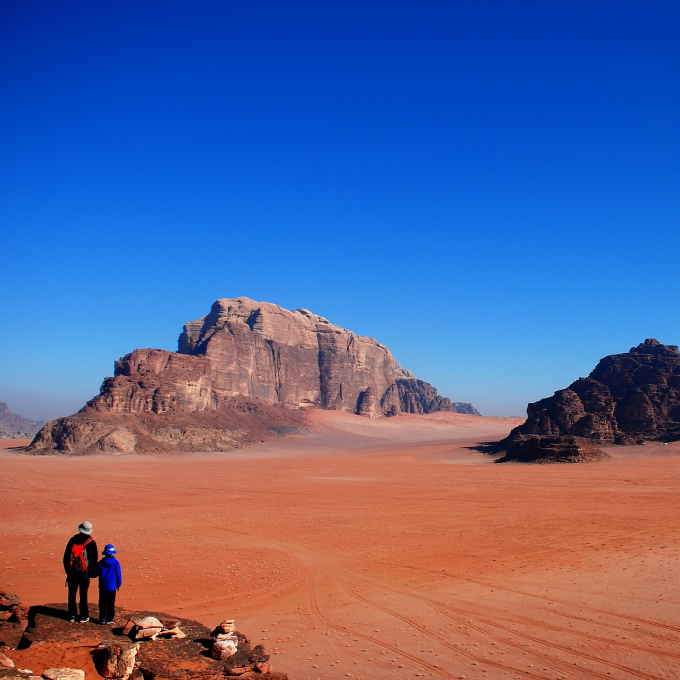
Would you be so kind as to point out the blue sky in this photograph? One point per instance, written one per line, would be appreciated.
(491, 189)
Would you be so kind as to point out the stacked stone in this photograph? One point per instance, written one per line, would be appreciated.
(226, 640)
(149, 628)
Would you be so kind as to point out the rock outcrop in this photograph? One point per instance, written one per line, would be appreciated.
(13, 619)
(627, 399)
(118, 657)
(12, 424)
(243, 361)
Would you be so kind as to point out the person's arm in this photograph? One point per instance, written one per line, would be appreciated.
(119, 574)
(67, 555)
(92, 555)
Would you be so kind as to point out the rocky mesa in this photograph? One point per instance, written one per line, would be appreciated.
(245, 371)
(628, 398)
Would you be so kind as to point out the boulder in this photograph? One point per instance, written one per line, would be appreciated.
(114, 659)
(223, 649)
(6, 661)
(64, 674)
(146, 622)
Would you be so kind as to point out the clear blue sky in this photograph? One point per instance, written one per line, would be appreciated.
(491, 189)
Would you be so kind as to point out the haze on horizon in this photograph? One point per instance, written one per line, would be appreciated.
(489, 189)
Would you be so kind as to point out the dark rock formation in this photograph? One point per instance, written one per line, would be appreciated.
(565, 449)
(627, 399)
(12, 424)
(249, 359)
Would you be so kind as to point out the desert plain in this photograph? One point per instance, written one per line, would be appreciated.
(386, 548)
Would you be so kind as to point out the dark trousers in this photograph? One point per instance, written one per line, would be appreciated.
(107, 605)
(78, 583)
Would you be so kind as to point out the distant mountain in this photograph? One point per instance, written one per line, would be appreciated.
(12, 423)
(243, 372)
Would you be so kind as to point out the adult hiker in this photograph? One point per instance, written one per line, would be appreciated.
(110, 581)
(80, 557)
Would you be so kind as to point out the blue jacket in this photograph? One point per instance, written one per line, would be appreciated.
(110, 577)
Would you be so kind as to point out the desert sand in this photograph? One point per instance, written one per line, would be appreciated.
(374, 549)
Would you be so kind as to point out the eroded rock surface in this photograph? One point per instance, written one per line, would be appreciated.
(627, 399)
(118, 657)
(254, 360)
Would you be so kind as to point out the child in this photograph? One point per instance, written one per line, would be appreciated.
(110, 580)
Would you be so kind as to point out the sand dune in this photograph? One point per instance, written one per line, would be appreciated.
(377, 549)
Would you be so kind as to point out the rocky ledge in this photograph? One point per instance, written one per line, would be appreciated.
(628, 398)
(177, 650)
(242, 373)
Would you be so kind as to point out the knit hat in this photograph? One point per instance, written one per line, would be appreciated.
(109, 550)
(85, 528)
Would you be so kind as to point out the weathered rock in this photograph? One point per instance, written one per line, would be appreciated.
(242, 373)
(564, 449)
(225, 628)
(11, 634)
(223, 649)
(11, 674)
(142, 633)
(147, 622)
(114, 659)
(6, 661)
(8, 600)
(14, 424)
(158, 659)
(64, 674)
(627, 399)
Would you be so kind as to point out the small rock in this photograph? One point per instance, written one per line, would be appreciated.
(223, 649)
(8, 599)
(148, 622)
(64, 674)
(115, 659)
(6, 661)
(143, 633)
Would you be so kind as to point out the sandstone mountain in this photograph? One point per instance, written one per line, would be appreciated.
(12, 423)
(627, 399)
(241, 372)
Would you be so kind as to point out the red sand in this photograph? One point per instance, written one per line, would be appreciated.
(375, 549)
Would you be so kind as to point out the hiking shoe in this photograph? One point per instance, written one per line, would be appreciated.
(85, 619)
(72, 619)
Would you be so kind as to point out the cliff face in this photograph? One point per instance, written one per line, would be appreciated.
(243, 360)
(261, 351)
(628, 398)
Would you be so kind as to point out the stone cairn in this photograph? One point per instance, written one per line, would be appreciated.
(149, 627)
(226, 640)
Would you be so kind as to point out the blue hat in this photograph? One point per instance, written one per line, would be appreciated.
(109, 550)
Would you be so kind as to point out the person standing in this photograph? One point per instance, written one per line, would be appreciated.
(110, 581)
(80, 556)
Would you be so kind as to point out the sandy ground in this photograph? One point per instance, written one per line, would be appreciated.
(375, 549)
